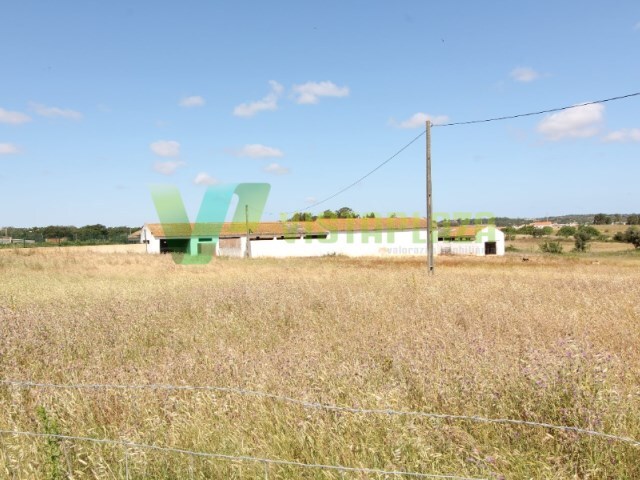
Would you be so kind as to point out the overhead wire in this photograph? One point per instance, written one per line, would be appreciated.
(454, 124)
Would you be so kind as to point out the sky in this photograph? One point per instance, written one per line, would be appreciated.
(100, 100)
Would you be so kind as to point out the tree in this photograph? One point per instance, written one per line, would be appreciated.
(601, 219)
(546, 231)
(302, 217)
(582, 239)
(633, 220)
(346, 212)
(632, 235)
(527, 230)
(589, 230)
(509, 233)
(329, 214)
(567, 231)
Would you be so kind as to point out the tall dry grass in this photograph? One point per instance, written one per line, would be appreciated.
(551, 340)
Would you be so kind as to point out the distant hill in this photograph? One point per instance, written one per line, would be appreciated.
(580, 218)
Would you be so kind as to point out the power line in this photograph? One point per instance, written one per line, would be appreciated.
(325, 406)
(237, 458)
(453, 124)
(541, 112)
(364, 176)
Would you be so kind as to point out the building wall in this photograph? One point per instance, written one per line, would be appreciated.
(382, 243)
(354, 244)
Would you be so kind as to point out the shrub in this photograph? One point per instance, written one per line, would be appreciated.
(567, 231)
(581, 241)
(551, 247)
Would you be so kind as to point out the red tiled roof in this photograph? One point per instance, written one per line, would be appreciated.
(274, 229)
(372, 224)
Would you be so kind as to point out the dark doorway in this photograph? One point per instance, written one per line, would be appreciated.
(176, 245)
(490, 248)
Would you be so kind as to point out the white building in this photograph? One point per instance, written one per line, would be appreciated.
(352, 237)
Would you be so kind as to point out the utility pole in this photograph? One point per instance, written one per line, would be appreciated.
(248, 247)
(429, 213)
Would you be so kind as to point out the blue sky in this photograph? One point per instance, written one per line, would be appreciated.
(99, 100)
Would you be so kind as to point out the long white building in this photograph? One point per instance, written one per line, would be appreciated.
(352, 237)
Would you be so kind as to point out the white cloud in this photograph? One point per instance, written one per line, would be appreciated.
(165, 148)
(419, 119)
(524, 74)
(205, 179)
(193, 101)
(51, 112)
(269, 102)
(14, 118)
(257, 150)
(167, 168)
(637, 26)
(8, 149)
(624, 135)
(311, 92)
(310, 200)
(276, 169)
(581, 121)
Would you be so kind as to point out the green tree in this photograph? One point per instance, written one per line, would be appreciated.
(346, 212)
(632, 235)
(301, 217)
(509, 233)
(329, 214)
(527, 230)
(633, 220)
(601, 219)
(593, 232)
(567, 231)
(582, 240)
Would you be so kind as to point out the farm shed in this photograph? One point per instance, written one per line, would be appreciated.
(352, 237)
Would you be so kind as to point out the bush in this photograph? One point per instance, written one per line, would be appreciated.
(551, 247)
(582, 239)
(631, 235)
(567, 231)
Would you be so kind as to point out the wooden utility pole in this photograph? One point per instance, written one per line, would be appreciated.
(429, 213)
(248, 247)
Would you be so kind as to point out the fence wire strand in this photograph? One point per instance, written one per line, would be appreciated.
(326, 406)
(237, 458)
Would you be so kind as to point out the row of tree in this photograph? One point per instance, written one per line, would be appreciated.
(604, 219)
(87, 234)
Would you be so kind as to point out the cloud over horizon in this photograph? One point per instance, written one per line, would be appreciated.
(310, 92)
(193, 101)
(168, 167)
(524, 74)
(52, 112)
(165, 148)
(580, 121)
(8, 149)
(268, 102)
(419, 120)
(276, 169)
(14, 118)
(257, 150)
(205, 179)
(623, 135)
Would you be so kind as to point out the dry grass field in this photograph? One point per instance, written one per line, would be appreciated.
(553, 340)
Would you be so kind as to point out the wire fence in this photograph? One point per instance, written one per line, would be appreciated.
(326, 406)
(266, 462)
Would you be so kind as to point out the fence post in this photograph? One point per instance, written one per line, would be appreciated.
(266, 471)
